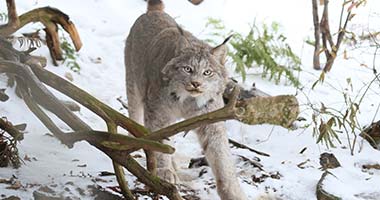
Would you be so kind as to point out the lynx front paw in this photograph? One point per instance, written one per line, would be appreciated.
(167, 174)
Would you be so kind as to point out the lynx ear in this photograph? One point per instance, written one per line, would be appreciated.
(182, 42)
(220, 51)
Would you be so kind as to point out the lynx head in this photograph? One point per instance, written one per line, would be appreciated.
(197, 71)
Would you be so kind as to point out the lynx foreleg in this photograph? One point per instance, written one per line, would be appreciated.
(214, 142)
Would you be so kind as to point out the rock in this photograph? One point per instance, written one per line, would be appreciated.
(198, 162)
(328, 161)
(11, 198)
(372, 134)
(38, 195)
(46, 193)
(100, 194)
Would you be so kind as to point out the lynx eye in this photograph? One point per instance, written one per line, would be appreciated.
(187, 69)
(207, 72)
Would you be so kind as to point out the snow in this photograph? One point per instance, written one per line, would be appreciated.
(103, 27)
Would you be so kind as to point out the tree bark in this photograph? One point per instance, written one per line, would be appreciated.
(317, 36)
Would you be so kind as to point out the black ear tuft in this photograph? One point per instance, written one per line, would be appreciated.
(220, 51)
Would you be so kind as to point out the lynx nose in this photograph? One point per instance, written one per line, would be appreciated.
(195, 84)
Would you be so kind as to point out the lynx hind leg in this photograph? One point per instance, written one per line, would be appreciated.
(156, 117)
(135, 105)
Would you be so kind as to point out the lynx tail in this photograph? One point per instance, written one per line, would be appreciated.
(155, 5)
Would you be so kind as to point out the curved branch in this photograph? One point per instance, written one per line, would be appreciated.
(50, 18)
(321, 193)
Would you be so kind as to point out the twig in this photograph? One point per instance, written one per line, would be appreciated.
(253, 163)
(242, 146)
(125, 105)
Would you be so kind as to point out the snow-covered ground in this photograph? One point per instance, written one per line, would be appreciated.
(103, 27)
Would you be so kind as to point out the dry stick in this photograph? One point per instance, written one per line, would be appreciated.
(11, 130)
(317, 33)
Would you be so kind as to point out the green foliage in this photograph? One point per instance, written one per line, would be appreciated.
(70, 55)
(262, 47)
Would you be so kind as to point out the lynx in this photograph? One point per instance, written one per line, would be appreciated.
(170, 74)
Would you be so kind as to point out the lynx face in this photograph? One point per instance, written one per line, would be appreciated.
(195, 74)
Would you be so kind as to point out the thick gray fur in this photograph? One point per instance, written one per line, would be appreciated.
(161, 90)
